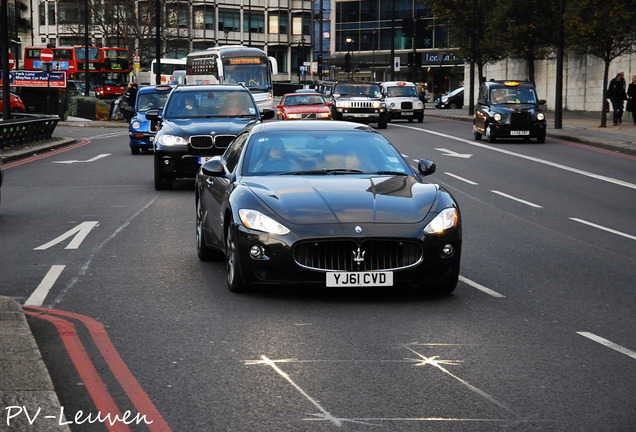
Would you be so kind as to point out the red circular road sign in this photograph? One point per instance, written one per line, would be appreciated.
(11, 61)
(46, 55)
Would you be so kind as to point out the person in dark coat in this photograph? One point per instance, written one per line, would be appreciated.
(631, 98)
(616, 94)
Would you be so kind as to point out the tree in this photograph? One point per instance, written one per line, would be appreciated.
(461, 15)
(605, 30)
(529, 29)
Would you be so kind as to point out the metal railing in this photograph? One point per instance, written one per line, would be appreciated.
(23, 128)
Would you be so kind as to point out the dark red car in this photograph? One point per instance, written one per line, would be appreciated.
(17, 106)
(303, 106)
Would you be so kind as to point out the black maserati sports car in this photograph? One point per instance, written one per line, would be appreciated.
(328, 203)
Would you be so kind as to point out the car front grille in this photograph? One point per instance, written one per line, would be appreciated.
(202, 142)
(366, 255)
(308, 116)
(407, 105)
(361, 104)
(520, 120)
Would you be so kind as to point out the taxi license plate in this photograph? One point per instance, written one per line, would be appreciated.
(407, 113)
(358, 279)
(519, 132)
(204, 159)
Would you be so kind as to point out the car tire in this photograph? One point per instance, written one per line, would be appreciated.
(233, 272)
(540, 139)
(421, 119)
(453, 105)
(161, 181)
(448, 284)
(477, 136)
(204, 252)
(382, 122)
(336, 115)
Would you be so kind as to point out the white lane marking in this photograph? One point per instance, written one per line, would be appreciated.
(447, 152)
(436, 362)
(631, 237)
(80, 232)
(530, 158)
(107, 135)
(40, 293)
(528, 203)
(461, 178)
(609, 344)
(323, 413)
(93, 159)
(480, 287)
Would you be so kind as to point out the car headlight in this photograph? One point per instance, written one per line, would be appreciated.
(419, 105)
(256, 220)
(497, 117)
(172, 140)
(540, 116)
(293, 116)
(446, 219)
(323, 115)
(376, 104)
(444, 99)
(136, 124)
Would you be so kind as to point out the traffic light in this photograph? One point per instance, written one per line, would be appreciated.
(407, 27)
(347, 62)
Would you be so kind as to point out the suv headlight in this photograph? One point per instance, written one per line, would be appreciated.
(376, 104)
(172, 140)
(343, 104)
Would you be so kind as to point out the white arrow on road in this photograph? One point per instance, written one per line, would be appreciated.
(451, 153)
(89, 160)
(78, 233)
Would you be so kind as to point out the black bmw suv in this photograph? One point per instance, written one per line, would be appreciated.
(509, 109)
(198, 122)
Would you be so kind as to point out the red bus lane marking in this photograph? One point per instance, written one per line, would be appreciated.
(126, 379)
(83, 142)
(92, 381)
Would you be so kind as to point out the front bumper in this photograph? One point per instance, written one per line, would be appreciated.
(503, 130)
(181, 163)
(279, 266)
(405, 114)
(141, 139)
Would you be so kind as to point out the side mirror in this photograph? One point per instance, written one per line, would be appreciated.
(542, 102)
(329, 104)
(153, 115)
(213, 167)
(279, 106)
(426, 167)
(267, 113)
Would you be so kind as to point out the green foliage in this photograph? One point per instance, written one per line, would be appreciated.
(603, 29)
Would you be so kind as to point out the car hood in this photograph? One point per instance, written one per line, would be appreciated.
(345, 199)
(206, 126)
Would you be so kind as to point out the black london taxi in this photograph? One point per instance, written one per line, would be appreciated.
(509, 109)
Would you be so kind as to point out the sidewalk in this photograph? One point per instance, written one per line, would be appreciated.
(24, 379)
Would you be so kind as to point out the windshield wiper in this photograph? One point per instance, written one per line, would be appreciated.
(324, 171)
(390, 173)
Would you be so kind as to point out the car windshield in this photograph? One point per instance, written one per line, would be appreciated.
(149, 101)
(365, 90)
(304, 100)
(300, 152)
(210, 103)
(513, 95)
(402, 91)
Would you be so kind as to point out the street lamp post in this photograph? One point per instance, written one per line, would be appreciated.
(227, 34)
(349, 42)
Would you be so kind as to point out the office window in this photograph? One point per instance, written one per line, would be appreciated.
(203, 18)
(229, 20)
(257, 24)
(177, 16)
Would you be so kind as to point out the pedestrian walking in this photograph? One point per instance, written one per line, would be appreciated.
(631, 98)
(616, 94)
(131, 94)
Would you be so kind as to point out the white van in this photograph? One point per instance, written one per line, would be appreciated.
(402, 101)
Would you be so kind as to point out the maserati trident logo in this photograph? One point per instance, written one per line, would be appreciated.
(358, 256)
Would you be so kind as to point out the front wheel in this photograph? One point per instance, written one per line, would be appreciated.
(162, 182)
(540, 139)
(382, 122)
(204, 252)
(421, 119)
(234, 281)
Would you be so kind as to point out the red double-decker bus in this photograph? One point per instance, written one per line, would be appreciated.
(108, 67)
(115, 71)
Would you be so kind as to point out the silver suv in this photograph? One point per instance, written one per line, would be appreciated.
(359, 101)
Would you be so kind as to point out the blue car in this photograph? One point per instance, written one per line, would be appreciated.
(141, 130)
